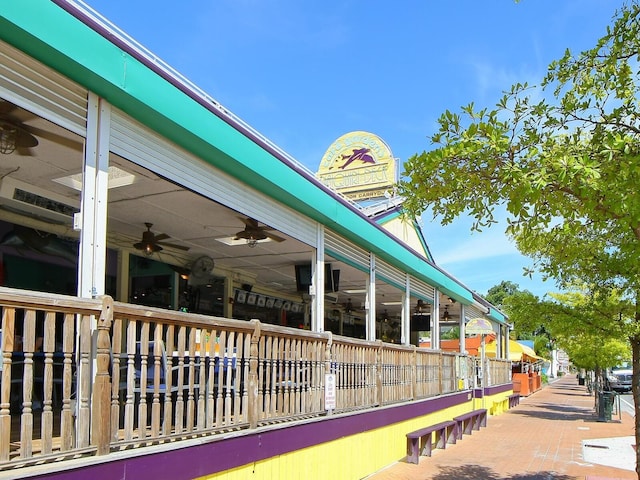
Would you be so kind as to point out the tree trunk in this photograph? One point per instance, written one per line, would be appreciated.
(635, 388)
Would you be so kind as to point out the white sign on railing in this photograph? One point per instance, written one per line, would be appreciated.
(330, 391)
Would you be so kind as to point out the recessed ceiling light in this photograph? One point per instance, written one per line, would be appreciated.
(233, 241)
(117, 178)
(354, 292)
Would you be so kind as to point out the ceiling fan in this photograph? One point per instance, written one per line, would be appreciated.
(152, 243)
(16, 136)
(253, 232)
(447, 315)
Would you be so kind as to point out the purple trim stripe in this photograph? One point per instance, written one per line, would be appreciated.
(223, 454)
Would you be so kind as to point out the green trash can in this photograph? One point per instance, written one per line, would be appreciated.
(605, 406)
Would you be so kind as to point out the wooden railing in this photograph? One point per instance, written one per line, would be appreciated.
(499, 371)
(89, 376)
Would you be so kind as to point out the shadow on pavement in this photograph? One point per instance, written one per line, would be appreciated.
(477, 472)
(555, 412)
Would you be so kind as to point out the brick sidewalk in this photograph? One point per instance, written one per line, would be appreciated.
(539, 439)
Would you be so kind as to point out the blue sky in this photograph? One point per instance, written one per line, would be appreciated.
(303, 73)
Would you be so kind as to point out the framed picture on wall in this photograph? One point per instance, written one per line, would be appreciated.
(270, 301)
(241, 296)
(261, 301)
(251, 299)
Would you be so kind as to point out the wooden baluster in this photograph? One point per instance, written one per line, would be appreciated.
(295, 376)
(8, 320)
(261, 405)
(67, 436)
(303, 377)
(316, 373)
(129, 406)
(179, 420)
(159, 358)
(116, 381)
(211, 380)
(219, 359)
(28, 346)
(244, 357)
(84, 383)
(272, 355)
(228, 374)
(191, 379)
(205, 340)
(143, 352)
(48, 345)
(167, 422)
(101, 399)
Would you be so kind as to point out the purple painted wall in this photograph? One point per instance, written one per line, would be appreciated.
(223, 454)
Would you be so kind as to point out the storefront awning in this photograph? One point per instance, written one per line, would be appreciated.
(517, 352)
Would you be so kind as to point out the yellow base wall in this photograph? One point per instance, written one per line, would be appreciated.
(351, 457)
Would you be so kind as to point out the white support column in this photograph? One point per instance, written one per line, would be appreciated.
(463, 346)
(370, 304)
(435, 321)
(92, 221)
(405, 333)
(93, 210)
(317, 285)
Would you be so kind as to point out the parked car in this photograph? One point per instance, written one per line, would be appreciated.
(620, 379)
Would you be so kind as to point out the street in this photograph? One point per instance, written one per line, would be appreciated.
(626, 403)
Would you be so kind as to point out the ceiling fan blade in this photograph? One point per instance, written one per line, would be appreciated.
(173, 245)
(24, 139)
(161, 236)
(54, 137)
(249, 222)
(274, 237)
(24, 151)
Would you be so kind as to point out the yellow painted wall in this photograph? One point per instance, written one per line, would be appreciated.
(351, 457)
(405, 231)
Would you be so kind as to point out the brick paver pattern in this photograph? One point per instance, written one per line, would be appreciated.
(540, 439)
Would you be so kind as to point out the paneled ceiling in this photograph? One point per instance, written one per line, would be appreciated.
(190, 222)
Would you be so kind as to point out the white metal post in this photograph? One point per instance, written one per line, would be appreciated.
(317, 285)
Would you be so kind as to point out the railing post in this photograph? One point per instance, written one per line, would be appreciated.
(253, 375)
(379, 374)
(327, 369)
(414, 373)
(101, 398)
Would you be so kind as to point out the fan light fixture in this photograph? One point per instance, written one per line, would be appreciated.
(446, 315)
(348, 308)
(421, 307)
(8, 136)
(148, 243)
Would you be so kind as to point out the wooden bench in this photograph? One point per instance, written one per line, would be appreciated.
(470, 421)
(514, 400)
(420, 442)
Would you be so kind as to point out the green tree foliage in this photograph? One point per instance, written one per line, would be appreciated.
(589, 326)
(564, 160)
(498, 293)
